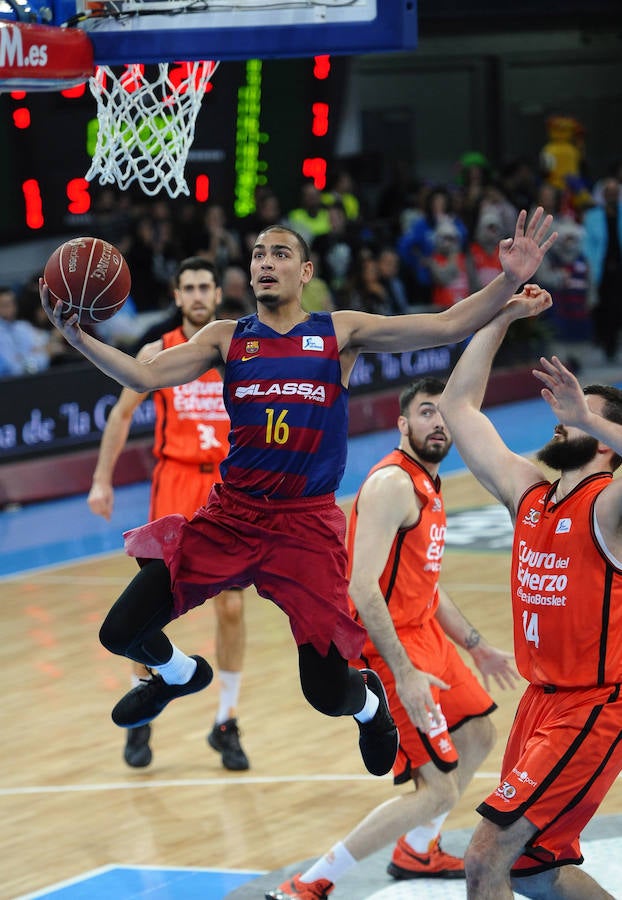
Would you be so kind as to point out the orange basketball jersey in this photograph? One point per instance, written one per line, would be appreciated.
(409, 582)
(192, 425)
(566, 591)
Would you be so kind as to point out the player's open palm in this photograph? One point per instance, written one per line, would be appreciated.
(521, 255)
(413, 689)
(497, 664)
(562, 392)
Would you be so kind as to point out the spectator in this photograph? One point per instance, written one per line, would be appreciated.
(215, 241)
(316, 295)
(417, 245)
(483, 255)
(336, 253)
(342, 190)
(564, 273)
(311, 218)
(236, 286)
(474, 176)
(149, 291)
(368, 292)
(494, 199)
(519, 183)
(390, 278)
(29, 309)
(23, 347)
(603, 250)
(448, 266)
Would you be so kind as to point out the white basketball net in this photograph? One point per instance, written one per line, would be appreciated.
(146, 127)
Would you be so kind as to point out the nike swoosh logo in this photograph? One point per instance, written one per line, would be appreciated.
(245, 358)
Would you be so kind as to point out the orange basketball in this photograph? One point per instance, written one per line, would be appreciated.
(90, 276)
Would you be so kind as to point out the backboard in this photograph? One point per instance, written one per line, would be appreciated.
(150, 31)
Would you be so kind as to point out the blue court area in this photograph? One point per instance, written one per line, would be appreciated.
(129, 882)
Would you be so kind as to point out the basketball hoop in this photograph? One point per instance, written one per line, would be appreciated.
(146, 125)
(43, 57)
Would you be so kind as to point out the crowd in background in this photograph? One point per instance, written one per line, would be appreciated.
(414, 246)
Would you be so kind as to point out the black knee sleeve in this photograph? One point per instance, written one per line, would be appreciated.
(328, 683)
(133, 627)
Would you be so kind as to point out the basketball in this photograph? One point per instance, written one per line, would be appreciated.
(90, 276)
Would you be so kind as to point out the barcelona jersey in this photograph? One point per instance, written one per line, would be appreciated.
(288, 409)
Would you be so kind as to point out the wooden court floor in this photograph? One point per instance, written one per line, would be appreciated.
(68, 802)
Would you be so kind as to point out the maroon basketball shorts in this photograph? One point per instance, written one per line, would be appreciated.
(292, 551)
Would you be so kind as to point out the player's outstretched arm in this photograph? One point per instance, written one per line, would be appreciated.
(505, 474)
(520, 256)
(171, 367)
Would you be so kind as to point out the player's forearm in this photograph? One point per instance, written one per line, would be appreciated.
(475, 311)
(120, 366)
(377, 620)
(112, 443)
(467, 383)
(454, 623)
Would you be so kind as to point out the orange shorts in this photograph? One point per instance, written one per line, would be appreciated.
(431, 651)
(180, 487)
(563, 754)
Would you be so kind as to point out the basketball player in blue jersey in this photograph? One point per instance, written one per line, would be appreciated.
(274, 522)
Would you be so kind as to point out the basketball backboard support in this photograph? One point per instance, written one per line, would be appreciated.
(150, 31)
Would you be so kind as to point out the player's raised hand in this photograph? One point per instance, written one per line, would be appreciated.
(562, 392)
(521, 255)
(532, 301)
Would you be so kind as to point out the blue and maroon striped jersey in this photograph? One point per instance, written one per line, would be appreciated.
(288, 409)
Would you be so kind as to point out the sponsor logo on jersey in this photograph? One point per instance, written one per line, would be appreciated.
(315, 392)
(563, 526)
(505, 790)
(524, 777)
(207, 437)
(312, 342)
(252, 348)
(532, 518)
(438, 728)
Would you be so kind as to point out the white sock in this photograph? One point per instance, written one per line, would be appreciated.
(179, 669)
(369, 710)
(332, 865)
(135, 680)
(229, 693)
(422, 837)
